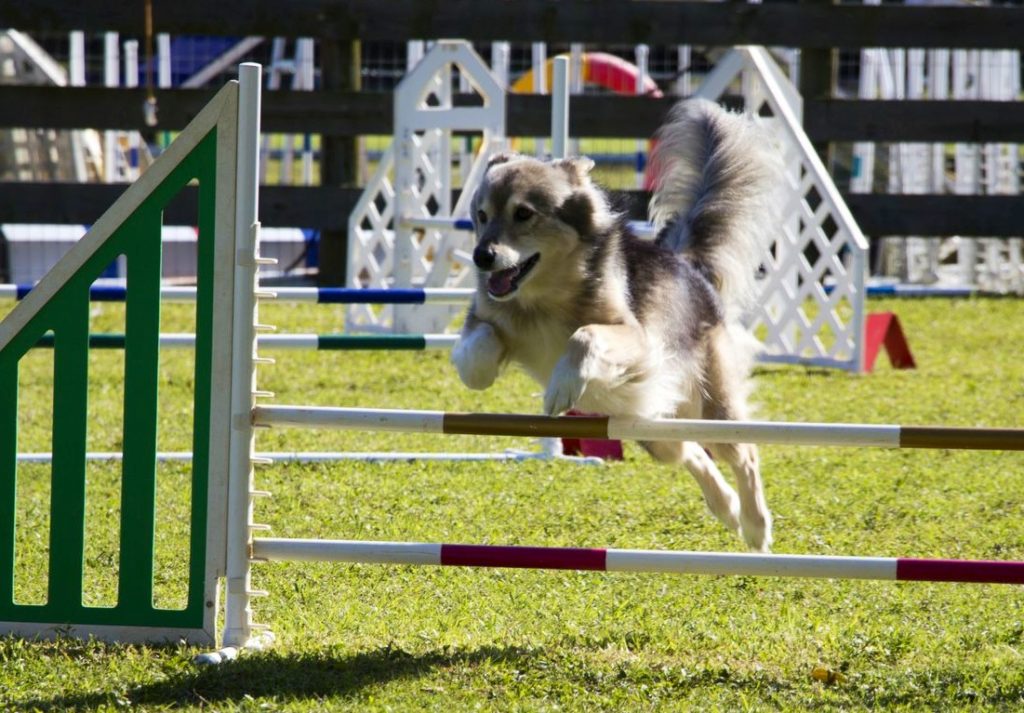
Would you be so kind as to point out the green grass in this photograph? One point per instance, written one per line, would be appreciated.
(363, 637)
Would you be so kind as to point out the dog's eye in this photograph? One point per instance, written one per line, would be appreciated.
(522, 214)
(481, 217)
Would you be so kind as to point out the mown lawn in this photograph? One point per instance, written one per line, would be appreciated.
(364, 637)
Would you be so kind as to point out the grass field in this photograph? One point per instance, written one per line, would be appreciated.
(363, 637)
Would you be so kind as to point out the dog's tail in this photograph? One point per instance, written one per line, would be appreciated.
(716, 173)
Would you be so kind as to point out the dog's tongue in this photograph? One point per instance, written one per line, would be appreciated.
(499, 283)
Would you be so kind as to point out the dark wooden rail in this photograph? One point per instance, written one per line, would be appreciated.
(338, 115)
(655, 22)
(360, 113)
(327, 208)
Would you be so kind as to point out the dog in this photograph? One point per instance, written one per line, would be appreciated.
(614, 324)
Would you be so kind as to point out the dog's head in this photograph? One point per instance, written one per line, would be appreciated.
(532, 217)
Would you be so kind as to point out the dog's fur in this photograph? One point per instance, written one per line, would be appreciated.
(610, 323)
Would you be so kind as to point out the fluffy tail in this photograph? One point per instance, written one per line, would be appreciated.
(717, 173)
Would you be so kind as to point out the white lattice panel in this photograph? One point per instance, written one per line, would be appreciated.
(414, 181)
(811, 306)
(371, 239)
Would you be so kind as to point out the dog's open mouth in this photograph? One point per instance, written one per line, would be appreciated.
(502, 283)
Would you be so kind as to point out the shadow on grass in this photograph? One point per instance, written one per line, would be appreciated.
(319, 677)
(280, 677)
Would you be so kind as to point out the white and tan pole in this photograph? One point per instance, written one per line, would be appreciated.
(620, 428)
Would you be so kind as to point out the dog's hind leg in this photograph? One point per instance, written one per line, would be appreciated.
(755, 519)
(725, 399)
(720, 498)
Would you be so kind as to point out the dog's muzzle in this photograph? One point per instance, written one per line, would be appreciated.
(503, 283)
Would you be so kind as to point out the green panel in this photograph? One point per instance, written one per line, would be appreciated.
(206, 172)
(67, 316)
(142, 365)
(8, 464)
(97, 340)
(70, 325)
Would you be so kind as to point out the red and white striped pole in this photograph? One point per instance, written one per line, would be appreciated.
(612, 560)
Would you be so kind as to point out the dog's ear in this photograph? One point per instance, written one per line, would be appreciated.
(577, 211)
(577, 168)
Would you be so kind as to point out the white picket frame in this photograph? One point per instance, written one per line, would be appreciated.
(809, 313)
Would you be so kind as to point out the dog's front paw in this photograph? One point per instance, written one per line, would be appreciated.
(477, 357)
(564, 389)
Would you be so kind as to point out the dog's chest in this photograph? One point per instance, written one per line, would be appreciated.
(539, 345)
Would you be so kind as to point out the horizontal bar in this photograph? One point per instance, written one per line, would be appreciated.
(369, 295)
(445, 295)
(979, 216)
(117, 341)
(652, 22)
(612, 560)
(885, 289)
(321, 207)
(920, 291)
(621, 428)
(338, 113)
(328, 208)
(350, 419)
(295, 550)
(320, 342)
(460, 224)
(887, 120)
(355, 342)
(331, 456)
(441, 295)
(321, 295)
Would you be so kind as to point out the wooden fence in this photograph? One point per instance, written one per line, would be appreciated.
(339, 113)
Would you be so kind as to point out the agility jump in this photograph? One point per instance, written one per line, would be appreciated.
(222, 521)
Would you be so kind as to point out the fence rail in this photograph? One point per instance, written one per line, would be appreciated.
(339, 115)
(327, 208)
(609, 116)
(654, 22)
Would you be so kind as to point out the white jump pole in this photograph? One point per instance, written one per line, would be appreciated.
(111, 78)
(131, 81)
(164, 75)
(76, 78)
(560, 108)
(642, 429)
(642, 54)
(559, 147)
(683, 84)
(539, 58)
(305, 79)
(271, 457)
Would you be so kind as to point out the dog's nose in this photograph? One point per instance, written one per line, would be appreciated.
(483, 256)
